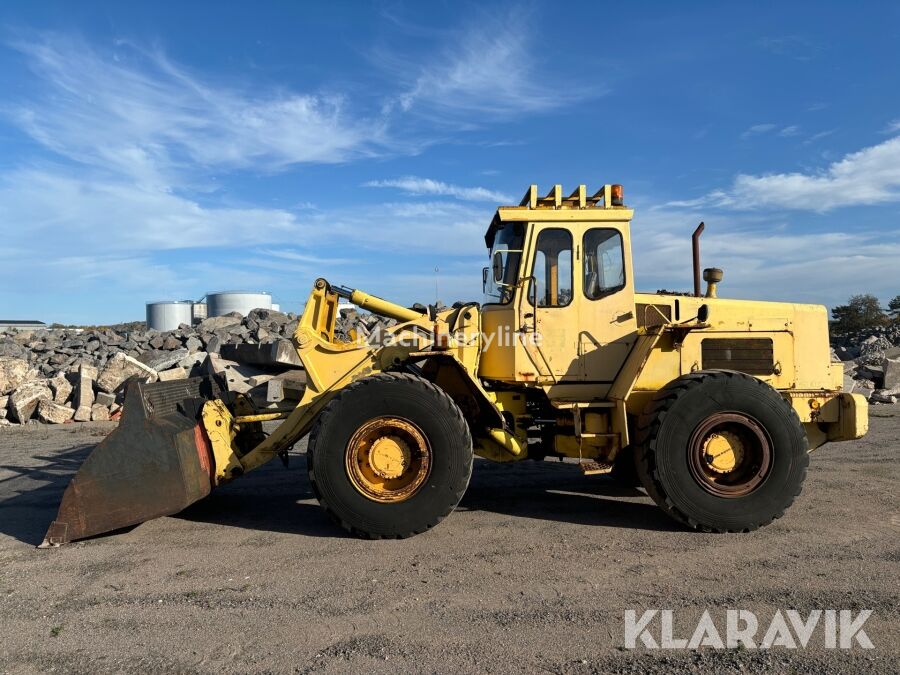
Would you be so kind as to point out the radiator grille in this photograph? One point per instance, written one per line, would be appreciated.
(754, 356)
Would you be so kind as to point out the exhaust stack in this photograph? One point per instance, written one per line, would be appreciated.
(695, 247)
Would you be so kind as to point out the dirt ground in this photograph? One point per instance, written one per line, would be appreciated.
(532, 573)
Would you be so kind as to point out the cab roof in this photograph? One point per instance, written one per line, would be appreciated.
(604, 204)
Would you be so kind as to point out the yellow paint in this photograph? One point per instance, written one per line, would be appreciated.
(596, 358)
(388, 460)
(723, 451)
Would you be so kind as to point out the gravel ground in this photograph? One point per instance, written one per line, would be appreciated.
(533, 572)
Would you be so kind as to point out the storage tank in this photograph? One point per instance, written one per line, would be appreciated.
(198, 312)
(168, 314)
(225, 302)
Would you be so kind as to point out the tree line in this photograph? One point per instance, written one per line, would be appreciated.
(864, 311)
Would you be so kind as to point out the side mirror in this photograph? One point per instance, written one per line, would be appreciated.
(484, 273)
(703, 313)
(497, 264)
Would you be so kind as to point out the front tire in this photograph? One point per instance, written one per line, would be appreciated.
(721, 451)
(390, 456)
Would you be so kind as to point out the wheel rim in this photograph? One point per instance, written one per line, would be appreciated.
(388, 459)
(730, 454)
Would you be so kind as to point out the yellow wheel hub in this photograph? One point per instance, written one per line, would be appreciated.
(723, 451)
(388, 459)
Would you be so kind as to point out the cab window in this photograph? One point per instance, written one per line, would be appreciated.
(604, 263)
(552, 269)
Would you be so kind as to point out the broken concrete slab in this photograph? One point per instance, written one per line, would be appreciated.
(99, 413)
(275, 391)
(105, 399)
(891, 373)
(171, 343)
(54, 413)
(193, 344)
(61, 388)
(25, 399)
(177, 373)
(119, 368)
(217, 322)
(281, 354)
(13, 373)
(236, 376)
(213, 344)
(83, 395)
(192, 360)
(161, 360)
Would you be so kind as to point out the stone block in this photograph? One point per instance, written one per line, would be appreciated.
(61, 388)
(104, 398)
(13, 373)
(891, 369)
(176, 373)
(99, 413)
(280, 354)
(217, 322)
(119, 368)
(25, 399)
(171, 343)
(53, 413)
(162, 360)
(193, 344)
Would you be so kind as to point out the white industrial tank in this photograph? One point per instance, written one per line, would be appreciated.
(198, 312)
(168, 314)
(243, 302)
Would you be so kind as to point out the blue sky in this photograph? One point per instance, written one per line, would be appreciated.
(163, 150)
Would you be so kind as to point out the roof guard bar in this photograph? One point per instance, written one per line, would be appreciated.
(578, 199)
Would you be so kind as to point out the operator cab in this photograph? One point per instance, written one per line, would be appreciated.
(559, 291)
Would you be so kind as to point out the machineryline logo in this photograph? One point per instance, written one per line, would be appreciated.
(837, 629)
(415, 336)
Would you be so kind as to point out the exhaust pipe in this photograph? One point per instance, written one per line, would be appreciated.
(695, 246)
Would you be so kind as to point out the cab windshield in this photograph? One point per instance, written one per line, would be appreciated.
(508, 241)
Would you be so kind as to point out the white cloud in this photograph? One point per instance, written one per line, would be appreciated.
(893, 127)
(866, 177)
(427, 186)
(54, 213)
(757, 129)
(819, 136)
(765, 259)
(138, 113)
(763, 129)
(487, 68)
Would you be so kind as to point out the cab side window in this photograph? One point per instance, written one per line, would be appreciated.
(552, 269)
(604, 263)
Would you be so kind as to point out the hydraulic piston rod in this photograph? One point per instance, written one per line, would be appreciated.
(377, 305)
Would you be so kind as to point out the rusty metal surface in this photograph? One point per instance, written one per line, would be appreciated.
(752, 465)
(154, 464)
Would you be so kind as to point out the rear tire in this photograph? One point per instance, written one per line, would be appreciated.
(721, 451)
(433, 430)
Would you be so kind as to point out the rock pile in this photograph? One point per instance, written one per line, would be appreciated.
(78, 375)
(871, 362)
(61, 375)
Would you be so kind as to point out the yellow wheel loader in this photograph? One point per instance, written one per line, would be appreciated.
(712, 404)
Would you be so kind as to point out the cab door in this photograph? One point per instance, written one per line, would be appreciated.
(548, 312)
(608, 326)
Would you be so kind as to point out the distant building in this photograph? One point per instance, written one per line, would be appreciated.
(18, 324)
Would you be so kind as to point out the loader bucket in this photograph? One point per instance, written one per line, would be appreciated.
(157, 462)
